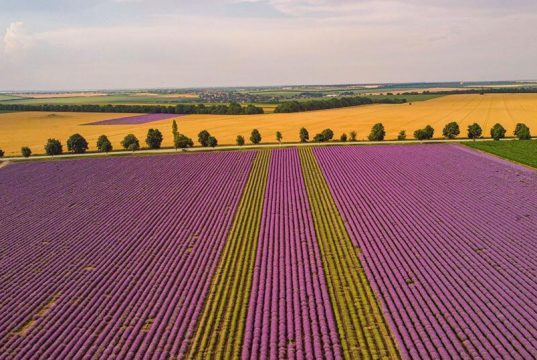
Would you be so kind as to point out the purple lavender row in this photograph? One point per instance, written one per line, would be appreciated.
(135, 120)
(125, 247)
(289, 313)
(447, 245)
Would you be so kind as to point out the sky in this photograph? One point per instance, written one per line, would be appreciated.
(118, 44)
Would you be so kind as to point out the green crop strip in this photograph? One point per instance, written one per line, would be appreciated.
(221, 326)
(362, 329)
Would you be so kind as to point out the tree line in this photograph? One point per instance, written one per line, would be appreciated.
(183, 109)
(333, 103)
(481, 91)
(77, 144)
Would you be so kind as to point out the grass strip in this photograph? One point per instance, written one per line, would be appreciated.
(221, 326)
(520, 151)
(362, 329)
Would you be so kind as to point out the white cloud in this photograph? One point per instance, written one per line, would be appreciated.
(317, 41)
(17, 39)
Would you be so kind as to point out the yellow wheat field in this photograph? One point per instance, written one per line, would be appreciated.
(34, 128)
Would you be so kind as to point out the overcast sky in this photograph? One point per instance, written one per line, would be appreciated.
(84, 44)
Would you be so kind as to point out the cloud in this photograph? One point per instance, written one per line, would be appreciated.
(180, 44)
(17, 39)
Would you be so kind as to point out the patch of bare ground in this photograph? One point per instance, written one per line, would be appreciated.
(42, 312)
(147, 325)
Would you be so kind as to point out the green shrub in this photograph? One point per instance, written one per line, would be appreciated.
(522, 132)
(26, 151)
(130, 142)
(377, 133)
(154, 138)
(53, 147)
(212, 142)
(497, 132)
(203, 138)
(474, 131)
(304, 135)
(255, 137)
(181, 141)
(451, 130)
(426, 133)
(103, 144)
(77, 144)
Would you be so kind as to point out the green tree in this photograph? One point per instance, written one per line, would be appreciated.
(424, 134)
(253, 110)
(174, 128)
(53, 147)
(279, 137)
(497, 132)
(328, 134)
(402, 135)
(353, 135)
(377, 133)
(343, 137)
(474, 131)
(182, 142)
(212, 142)
(1, 153)
(154, 138)
(103, 144)
(522, 132)
(77, 144)
(304, 135)
(130, 142)
(451, 130)
(203, 138)
(255, 137)
(26, 151)
(240, 140)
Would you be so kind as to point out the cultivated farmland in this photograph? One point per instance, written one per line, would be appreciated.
(34, 128)
(455, 284)
(113, 257)
(413, 252)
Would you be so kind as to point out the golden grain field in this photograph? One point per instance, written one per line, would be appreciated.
(34, 128)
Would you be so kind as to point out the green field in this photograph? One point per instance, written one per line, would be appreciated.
(524, 152)
(96, 100)
(112, 100)
(409, 98)
(6, 98)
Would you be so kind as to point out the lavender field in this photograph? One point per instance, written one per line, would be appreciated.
(135, 120)
(449, 240)
(413, 252)
(103, 258)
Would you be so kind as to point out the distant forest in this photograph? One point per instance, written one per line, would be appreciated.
(333, 103)
(219, 109)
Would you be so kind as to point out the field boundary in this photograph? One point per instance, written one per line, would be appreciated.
(363, 331)
(497, 158)
(244, 147)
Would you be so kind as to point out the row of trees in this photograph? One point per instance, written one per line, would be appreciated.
(474, 131)
(322, 104)
(217, 109)
(450, 131)
(78, 144)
